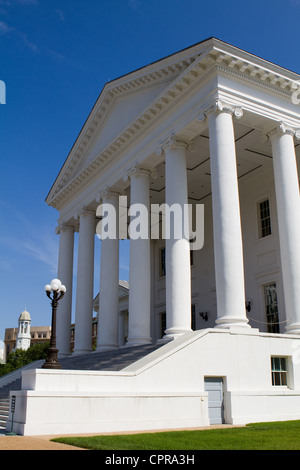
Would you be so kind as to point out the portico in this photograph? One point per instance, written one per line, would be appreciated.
(207, 124)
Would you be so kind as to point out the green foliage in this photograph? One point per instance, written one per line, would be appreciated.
(261, 436)
(20, 358)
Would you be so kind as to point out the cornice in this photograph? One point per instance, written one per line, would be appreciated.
(261, 70)
(111, 91)
(189, 73)
(150, 114)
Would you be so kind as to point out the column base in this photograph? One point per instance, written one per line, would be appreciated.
(137, 342)
(232, 322)
(293, 329)
(106, 347)
(81, 352)
(174, 333)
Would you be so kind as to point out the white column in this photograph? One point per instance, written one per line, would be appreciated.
(108, 318)
(85, 280)
(178, 268)
(65, 274)
(139, 274)
(288, 208)
(228, 247)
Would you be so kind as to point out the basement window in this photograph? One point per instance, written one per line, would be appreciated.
(279, 371)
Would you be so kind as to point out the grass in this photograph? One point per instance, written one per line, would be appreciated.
(262, 436)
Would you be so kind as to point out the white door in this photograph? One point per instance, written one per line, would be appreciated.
(214, 387)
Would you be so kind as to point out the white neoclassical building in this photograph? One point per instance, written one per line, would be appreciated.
(210, 125)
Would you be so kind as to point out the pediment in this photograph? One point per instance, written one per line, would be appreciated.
(128, 104)
(123, 110)
(120, 103)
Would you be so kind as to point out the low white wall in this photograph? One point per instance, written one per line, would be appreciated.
(166, 389)
(251, 407)
(53, 413)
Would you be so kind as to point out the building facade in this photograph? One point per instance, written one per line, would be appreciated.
(195, 111)
(211, 125)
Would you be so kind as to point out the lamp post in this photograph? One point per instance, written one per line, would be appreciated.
(58, 291)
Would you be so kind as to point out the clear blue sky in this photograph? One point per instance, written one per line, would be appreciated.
(56, 55)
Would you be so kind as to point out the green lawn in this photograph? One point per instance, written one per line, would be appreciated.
(262, 436)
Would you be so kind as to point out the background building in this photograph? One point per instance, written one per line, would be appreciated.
(25, 335)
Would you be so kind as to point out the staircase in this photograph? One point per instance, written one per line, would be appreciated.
(5, 402)
(4, 412)
(114, 360)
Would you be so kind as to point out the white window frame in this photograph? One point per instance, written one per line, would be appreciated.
(280, 372)
(260, 219)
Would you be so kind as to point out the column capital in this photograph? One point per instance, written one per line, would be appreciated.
(106, 194)
(83, 211)
(219, 107)
(136, 171)
(173, 142)
(283, 129)
(63, 227)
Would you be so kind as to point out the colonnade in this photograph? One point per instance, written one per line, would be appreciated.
(228, 247)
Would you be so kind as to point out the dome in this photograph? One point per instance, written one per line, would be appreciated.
(25, 316)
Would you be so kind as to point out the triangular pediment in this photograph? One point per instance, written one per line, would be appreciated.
(120, 103)
(129, 104)
(123, 110)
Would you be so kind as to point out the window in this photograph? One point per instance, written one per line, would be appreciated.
(162, 262)
(279, 371)
(271, 308)
(264, 219)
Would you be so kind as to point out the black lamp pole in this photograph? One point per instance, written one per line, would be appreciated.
(58, 291)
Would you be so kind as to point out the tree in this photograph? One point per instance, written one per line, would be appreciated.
(20, 358)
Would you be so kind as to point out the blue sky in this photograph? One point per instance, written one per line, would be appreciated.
(55, 57)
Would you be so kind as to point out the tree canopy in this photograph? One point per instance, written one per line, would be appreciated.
(20, 358)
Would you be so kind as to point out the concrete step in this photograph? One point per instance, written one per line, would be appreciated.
(114, 360)
(14, 385)
(4, 412)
